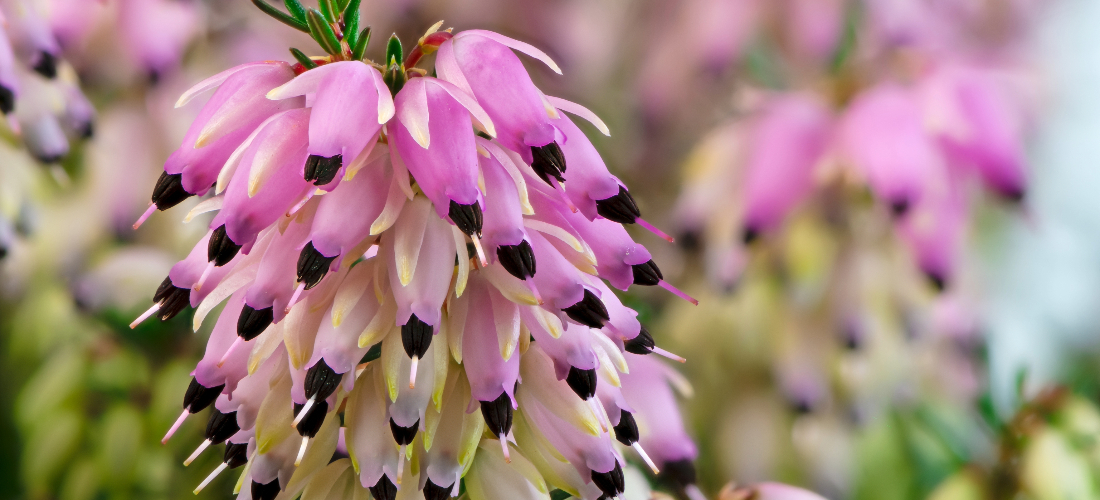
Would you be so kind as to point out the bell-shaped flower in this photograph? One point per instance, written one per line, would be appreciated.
(882, 134)
(350, 103)
(434, 139)
(261, 191)
(226, 123)
(980, 124)
(789, 138)
(483, 64)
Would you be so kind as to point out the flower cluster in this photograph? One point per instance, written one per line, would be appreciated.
(835, 206)
(917, 136)
(397, 250)
(43, 105)
(38, 91)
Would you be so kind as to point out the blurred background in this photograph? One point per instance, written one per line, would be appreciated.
(886, 208)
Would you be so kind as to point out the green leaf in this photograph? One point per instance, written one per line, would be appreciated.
(351, 24)
(302, 58)
(341, 4)
(322, 32)
(361, 42)
(281, 16)
(559, 495)
(296, 9)
(351, 8)
(395, 77)
(394, 51)
(327, 10)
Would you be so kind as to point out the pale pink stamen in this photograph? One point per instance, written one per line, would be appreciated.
(612, 329)
(175, 427)
(294, 298)
(148, 211)
(198, 451)
(401, 465)
(564, 197)
(210, 478)
(302, 412)
(668, 286)
(301, 204)
(480, 251)
(694, 493)
(301, 451)
(504, 448)
(600, 416)
(145, 315)
(412, 372)
(534, 291)
(236, 343)
(661, 352)
(645, 457)
(641, 222)
(205, 274)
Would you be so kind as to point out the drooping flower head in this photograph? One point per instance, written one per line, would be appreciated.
(397, 251)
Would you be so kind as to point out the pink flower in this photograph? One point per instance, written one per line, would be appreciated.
(882, 133)
(375, 295)
(789, 138)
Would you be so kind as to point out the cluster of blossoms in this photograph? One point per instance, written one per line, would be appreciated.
(44, 106)
(838, 204)
(946, 113)
(397, 250)
(38, 90)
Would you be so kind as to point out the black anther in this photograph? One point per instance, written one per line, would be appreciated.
(583, 382)
(498, 414)
(416, 336)
(611, 483)
(403, 435)
(221, 426)
(518, 260)
(320, 170)
(642, 344)
(647, 273)
(169, 191)
(619, 208)
(198, 396)
(221, 248)
(627, 430)
(589, 311)
(548, 161)
(321, 381)
(252, 322)
(468, 218)
(312, 266)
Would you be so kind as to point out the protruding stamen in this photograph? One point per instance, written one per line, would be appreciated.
(693, 493)
(175, 426)
(205, 274)
(148, 212)
(321, 381)
(145, 315)
(480, 251)
(661, 352)
(301, 450)
(564, 196)
(535, 291)
(302, 413)
(601, 416)
(412, 372)
(645, 457)
(294, 298)
(504, 448)
(641, 222)
(298, 206)
(210, 478)
(401, 464)
(198, 451)
(676, 291)
(236, 343)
